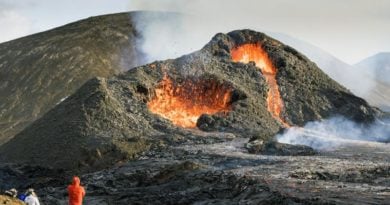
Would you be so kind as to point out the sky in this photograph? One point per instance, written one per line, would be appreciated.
(351, 30)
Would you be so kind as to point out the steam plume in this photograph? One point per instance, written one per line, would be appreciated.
(181, 27)
(335, 132)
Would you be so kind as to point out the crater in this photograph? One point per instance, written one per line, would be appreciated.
(184, 102)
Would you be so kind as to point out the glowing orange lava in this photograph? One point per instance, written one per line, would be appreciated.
(253, 52)
(184, 103)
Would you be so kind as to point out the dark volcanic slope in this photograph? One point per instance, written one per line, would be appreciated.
(374, 89)
(107, 120)
(37, 71)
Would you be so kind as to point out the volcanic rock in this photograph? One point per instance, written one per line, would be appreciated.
(275, 148)
(108, 120)
(224, 173)
(39, 71)
(23, 177)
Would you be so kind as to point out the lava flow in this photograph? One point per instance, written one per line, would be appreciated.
(253, 52)
(184, 103)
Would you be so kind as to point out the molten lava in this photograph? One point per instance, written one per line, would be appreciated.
(184, 103)
(253, 52)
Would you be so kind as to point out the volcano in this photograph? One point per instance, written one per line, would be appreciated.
(243, 83)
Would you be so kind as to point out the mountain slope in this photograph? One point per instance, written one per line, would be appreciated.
(110, 120)
(380, 96)
(378, 65)
(359, 81)
(38, 71)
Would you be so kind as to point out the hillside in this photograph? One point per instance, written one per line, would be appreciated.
(38, 71)
(377, 65)
(362, 81)
(243, 84)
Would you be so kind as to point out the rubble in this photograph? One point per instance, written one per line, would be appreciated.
(225, 173)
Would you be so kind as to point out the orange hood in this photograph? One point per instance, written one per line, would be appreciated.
(76, 181)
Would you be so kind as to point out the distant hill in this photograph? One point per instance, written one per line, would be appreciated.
(378, 65)
(40, 70)
(380, 96)
(359, 81)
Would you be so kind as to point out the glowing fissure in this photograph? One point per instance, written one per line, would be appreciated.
(183, 103)
(253, 52)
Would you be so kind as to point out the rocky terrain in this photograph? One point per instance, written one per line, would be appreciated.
(108, 120)
(366, 79)
(39, 71)
(225, 173)
(198, 129)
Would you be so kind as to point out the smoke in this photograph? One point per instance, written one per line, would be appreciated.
(165, 35)
(175, 28)
(352, 39)
(181, 27)
(335, 132)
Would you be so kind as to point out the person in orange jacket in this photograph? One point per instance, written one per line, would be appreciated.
(76, 192)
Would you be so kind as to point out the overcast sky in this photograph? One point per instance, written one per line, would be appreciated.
(349, 29)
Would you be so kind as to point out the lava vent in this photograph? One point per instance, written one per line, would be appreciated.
(253, 52)
(183, 103)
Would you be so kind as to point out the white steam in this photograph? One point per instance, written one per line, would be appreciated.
(167, 35)
(335, 132)
(175, 28)
(352, 39)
